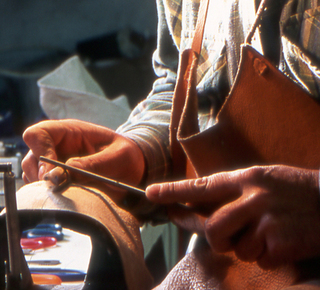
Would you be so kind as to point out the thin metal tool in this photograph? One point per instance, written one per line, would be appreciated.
(160, 209)
(110, 181)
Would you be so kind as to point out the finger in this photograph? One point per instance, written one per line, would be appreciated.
(278, 242)
(122, 160)
(29, 166)
(56, 176)
(221, 187)
(227, 225)
(91, 163)
(69, 136)
(250, 246)
(40, 141)
(186, 219)
(24, 178)
(40, 144)
(33, 170)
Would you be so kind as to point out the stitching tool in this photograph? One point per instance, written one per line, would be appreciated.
(97, 177)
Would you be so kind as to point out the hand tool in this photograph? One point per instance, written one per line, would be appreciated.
(97, 177)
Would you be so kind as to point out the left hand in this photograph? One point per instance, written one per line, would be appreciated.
(83, 145)
(268, 214)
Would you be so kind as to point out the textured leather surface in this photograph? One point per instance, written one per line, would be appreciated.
(202, 269)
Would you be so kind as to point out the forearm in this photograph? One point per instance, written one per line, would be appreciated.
(148, 124)
(149, 128)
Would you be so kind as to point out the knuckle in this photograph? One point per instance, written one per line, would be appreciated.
(213, 237)
(30, 133)
(199, 185)
(171, 187)
(27, 135)
(165, 189)
(26, 161)
(209, 226)
(24, 164)
(255, 172)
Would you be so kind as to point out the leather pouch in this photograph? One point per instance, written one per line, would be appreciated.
(266, 119)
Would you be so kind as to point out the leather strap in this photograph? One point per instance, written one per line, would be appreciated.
(186, 75)
(202, 16)
(256, 22)
(186, 72)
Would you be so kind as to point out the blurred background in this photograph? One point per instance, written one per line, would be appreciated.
(114, 39)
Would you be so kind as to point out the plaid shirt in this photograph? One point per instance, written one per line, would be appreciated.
(227, 25)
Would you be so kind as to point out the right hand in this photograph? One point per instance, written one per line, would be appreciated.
(84, 145)
(268, 214)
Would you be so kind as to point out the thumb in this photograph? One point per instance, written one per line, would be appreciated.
(58, 175)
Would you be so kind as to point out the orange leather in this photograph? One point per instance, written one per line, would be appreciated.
(266, 119)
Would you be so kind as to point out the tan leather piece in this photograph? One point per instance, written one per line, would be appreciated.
(93, 203)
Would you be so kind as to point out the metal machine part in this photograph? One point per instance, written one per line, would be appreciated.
(17, 272)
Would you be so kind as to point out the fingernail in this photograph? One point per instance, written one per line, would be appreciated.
(56, 175)
(200, 182)
(152, 191)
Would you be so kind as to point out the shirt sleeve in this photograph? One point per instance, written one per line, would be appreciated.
(148, 123)
(300, 44)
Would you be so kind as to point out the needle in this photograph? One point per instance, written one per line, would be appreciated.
(131, 188)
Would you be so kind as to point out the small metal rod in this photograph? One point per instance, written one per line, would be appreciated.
(5, 167)
(95, 176)
(131, 189)
(18, 276)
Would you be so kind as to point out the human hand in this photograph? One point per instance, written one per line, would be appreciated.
(83, 145)
(266, 214)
